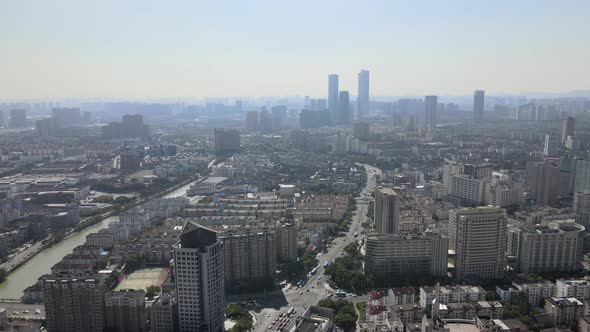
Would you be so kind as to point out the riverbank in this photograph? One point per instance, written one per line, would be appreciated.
(29, 271)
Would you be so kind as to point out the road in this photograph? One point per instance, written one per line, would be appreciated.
(316, 287)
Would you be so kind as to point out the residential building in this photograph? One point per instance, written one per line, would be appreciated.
(227, 141)
(552, 145)
(543, 182)
(286, 241)
(401, 295)
(468, 190)
(362, 130)
(478, 237)
(163, 314)
(450, 294)
(582, 208)
(578, 288)
(478, 103)
(537, 292)
(565, 312)
(344, 113)
(199, 270)
(555, 247)
(250, 254)
(74, 302)
(18, 118)
(509, 294)
(431, 110)
(47, 127)
(386, 211)
(125, 311)
(568, 128)
(393, 258)
(582, 175)
(251, 121)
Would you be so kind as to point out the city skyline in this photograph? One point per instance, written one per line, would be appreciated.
(215, 50)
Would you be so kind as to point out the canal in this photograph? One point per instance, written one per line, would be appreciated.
(28, 273)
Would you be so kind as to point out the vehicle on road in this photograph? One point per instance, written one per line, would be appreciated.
(340, 294)
(300, 293)
(291, 310)
(326, 263)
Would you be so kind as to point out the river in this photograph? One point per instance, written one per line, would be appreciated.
(28, 273)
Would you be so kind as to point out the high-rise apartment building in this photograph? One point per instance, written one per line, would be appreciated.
(344, 114)
(286, 242)
(395, 258)
(125, 311)
(74, 302)
(582, 208)
(250, 254)
(556, 247)
(18, 118)
(386, 211)
(67, 116)
(133, 126)
(478, 237)
(333, 90)
(163, 314)
(467, 190)
(227, 141)
(362, 98)
(47, 127)
(552, 145)
(199, 270)
(543, 182)
(568, 128)
(478, 103)
(431, 111)
(252, 121)
(362, 130)
(582, 181)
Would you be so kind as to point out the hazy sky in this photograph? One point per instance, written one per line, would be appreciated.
(149, 49)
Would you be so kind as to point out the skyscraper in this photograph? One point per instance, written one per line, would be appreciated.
(133, 126)
(582, 181)
(200, 288)
(543, 182)
(362, 98)
(386, 214)
(74, 302)
(344, 116)
(568, 128)
(252, 121)
(552, 145)
(226, 141)
(478, 101)
(18, 118)
(582, 208)
(125, 310)
(333, 96)
(478, 237)
(431, 110)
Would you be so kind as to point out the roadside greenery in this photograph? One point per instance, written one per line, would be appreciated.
(344, 313)
(347, 273)
(362, 306)
(243, 318)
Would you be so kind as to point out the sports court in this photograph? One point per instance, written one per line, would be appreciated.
(143, 278)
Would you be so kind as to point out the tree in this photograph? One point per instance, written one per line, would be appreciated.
(327, 303)
(151, 291)
(3, 275)
(345, 321)
(233, 311)
(352, 248)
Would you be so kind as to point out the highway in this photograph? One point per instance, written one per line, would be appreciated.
(316, 287)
